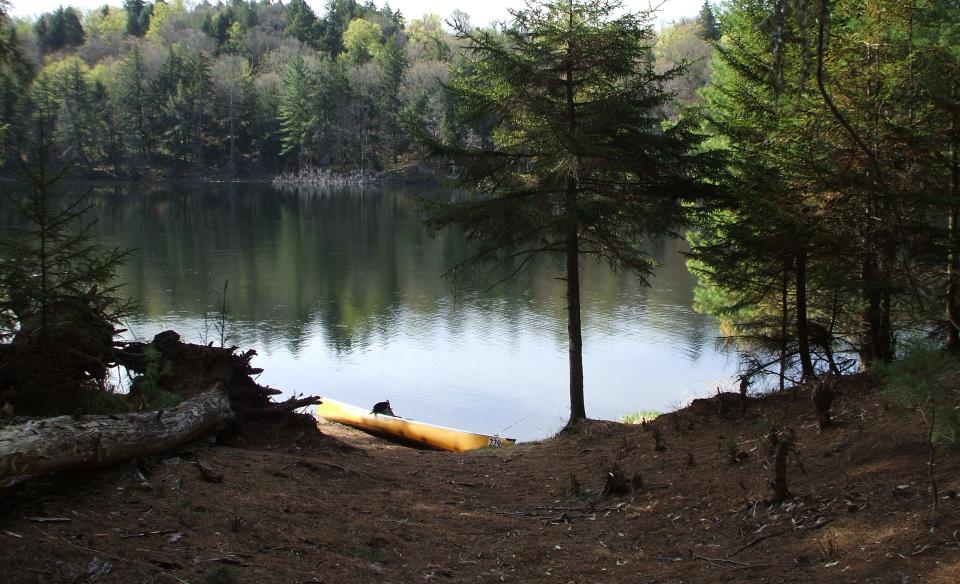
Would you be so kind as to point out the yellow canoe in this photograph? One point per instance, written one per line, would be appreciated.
(416, 433)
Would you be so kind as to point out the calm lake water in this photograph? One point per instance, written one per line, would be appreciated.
(341, 293)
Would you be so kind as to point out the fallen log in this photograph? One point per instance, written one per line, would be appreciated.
(69, 443)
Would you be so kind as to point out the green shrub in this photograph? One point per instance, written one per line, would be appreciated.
(219, 575)
(927, 379)
(733, 451)
(146, 391)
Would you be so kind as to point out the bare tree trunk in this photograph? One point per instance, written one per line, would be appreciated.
(784, 319)
(577, 408)
(232, 163)
(199, 153)
(782, 443)
(68, 443)
(803, 334)
(871, 316)
(823, 394)
(953, 259)
(932, 452)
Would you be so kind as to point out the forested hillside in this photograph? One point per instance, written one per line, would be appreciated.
(237, 88)
(234, 88)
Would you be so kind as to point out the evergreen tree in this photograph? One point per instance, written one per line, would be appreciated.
(294, 111)
(15, 73)
(130, 95)
(709, 27)
(77, 126)
(138, 17)
(579, 163)
(58, 29)
(59, 305)
(759, 244)
(392, 64)
(301, 22)
(841, 154)
(5, 45)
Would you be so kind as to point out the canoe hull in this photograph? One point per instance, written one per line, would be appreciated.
(411, 432)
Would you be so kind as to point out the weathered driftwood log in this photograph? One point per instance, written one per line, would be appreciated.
(70, 443)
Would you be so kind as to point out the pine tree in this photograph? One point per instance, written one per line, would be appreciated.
(15, 74)
(392, 64)
(136, 23)
(294, 112)
(842, 151)
(301, 22)
(130, 95)
(579, 164)
(709, 27)
(75, 130)
(58, 29)
(59, 305)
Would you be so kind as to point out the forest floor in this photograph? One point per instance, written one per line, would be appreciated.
(297, 504)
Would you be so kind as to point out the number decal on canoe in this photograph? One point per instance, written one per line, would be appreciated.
(495, 442)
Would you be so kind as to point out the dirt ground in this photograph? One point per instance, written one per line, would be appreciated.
(299, 505)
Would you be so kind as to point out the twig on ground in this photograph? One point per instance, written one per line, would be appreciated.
(113, 557)
(720, 560)
(757, 540)
(48, 519)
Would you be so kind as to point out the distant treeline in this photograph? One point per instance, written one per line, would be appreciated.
(239, 88)
(235, 87)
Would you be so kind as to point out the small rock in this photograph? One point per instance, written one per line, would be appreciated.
(97, 569)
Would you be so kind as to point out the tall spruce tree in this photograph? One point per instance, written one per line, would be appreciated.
(760, 244)
(138, 17)
(709, 27)
(578, 163)
(15, 73)
(294, 111)
(60, 307)
(130, 95)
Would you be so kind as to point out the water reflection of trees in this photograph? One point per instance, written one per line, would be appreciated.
(352, 264)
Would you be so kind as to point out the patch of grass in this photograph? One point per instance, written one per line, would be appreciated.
(828, 548)
(572, 489)
(640, 417)
(927, 380)
(147, 390)
(733, 451)
(370, 553)
(219, 575)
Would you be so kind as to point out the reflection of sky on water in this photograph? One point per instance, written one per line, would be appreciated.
(468, 367)
(341, 294)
